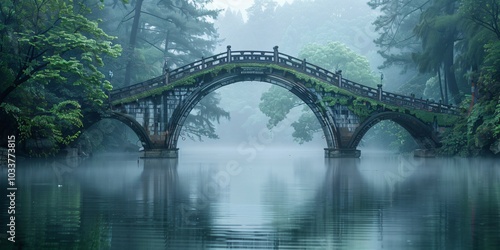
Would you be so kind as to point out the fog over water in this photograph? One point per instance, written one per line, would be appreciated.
(248, 123)
(276, 198)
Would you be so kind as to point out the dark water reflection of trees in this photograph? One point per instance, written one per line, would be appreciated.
(397, 202)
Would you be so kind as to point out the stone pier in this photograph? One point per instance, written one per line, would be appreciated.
(342, 153)
(161, 153)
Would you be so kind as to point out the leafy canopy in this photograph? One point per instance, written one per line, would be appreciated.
(50, 57)
(337, 56)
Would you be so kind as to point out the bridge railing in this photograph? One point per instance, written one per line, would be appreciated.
(136, 88)
(363, 90)
(252, 56)
(197, 66)
(172, 75)
(288, 61)
(417, 103)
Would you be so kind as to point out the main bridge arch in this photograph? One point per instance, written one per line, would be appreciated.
(275, 77)
(345, 109)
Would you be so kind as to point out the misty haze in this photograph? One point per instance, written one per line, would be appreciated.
(262, 124)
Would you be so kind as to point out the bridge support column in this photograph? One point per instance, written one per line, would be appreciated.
(161, 153)
(342, 153)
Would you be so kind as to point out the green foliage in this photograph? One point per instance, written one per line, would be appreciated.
(200, 122)
(276, 103)
(51, 55)
(483, 13)
(438, 32)
(59, 125)
(163, 34)
(395, 27)
(479, 133)
(398, 139)
(459, 38)
(305, 128)
(491, 72)
(160, 35)
(460, 139)
(425, 34)
(337, 56)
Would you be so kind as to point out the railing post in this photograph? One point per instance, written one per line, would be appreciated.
(203, 62)
(339, 73)
(229, 53)
(304, 65)
(276, 56)
(166, 71)
(379, 91)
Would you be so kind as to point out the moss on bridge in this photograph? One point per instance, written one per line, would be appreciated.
(361, 106)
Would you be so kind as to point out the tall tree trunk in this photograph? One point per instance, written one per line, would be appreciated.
(6, 93)
(446, 99)
(167, 40)
(132, 42)
(449, 56)
(440, 85)
(449, 71)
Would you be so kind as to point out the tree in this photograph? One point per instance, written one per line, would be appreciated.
(484, 13)
(337, 56)
(425, 34)
(479, 131)
(278, 102)
(200, 122)
(133, 40)
(438, 32)
(164, 34)
(50, 58)
(397, 41)
(168, 33)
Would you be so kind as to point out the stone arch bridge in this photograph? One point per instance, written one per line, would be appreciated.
(156, 109)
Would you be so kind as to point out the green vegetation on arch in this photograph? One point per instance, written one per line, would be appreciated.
(361, 106)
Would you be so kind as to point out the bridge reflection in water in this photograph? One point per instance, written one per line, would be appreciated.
(157, 109)
(376, 202)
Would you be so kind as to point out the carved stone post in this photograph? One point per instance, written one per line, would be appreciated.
(379, 91)
(276, 56)
(339, 73)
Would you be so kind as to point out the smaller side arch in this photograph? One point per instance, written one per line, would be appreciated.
(421, 132)
(128, 121)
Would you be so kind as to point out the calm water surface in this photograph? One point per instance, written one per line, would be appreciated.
(276, 199)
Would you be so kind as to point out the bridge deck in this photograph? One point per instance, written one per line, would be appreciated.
(282, 60)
